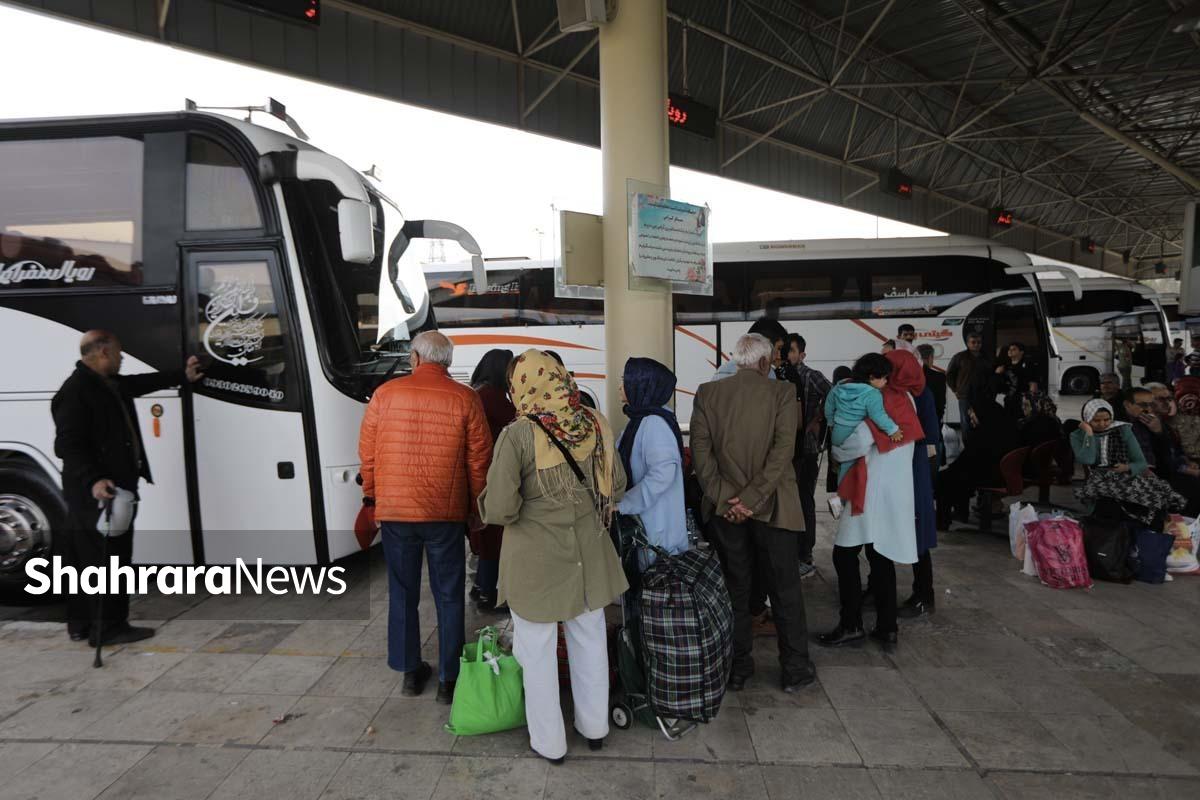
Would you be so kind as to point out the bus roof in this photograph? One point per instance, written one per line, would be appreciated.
(905, 246)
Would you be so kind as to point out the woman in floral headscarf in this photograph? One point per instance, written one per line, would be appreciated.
(1118, 467)
(554, 480)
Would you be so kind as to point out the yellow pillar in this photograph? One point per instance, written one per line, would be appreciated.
(633, 144)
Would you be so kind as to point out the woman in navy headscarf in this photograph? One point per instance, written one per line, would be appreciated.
(651, 450)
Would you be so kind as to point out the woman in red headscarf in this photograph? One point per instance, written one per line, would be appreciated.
(881, 513)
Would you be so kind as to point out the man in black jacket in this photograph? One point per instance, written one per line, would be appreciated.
(100, 444)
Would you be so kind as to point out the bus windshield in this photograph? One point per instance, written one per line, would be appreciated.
(349, 300)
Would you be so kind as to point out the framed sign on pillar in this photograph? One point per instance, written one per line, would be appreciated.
(669, 244)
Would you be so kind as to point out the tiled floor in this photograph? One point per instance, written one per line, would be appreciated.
(1011, 690)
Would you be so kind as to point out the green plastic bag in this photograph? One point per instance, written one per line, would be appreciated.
(490, 694)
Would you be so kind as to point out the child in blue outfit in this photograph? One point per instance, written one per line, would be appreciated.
(859, 399)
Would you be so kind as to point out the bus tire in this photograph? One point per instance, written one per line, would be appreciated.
(1080, 380)
(32, 509)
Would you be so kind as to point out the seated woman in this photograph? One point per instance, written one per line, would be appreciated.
(1118, 468)
(993, 435)
(651, 450)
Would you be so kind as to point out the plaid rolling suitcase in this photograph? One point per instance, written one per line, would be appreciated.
(687, 635)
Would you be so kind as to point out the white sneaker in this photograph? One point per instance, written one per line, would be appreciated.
(835, 507)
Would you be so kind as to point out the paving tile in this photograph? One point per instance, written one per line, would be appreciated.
(358, 677)
(726, 738)
(383, 776)
(60, 715)
(636, 742)
(16, 756)
(959, 689)
(180, 773)
(249, 637)
(758, 696)
(917, 784)
(1155, 788)
(1008, 740)
(493, 779)
(1051, 691)
(514, 742)
(827, 783)
(280, 775)
(281, 675)
(708, 781)
(125, 670)
(593, 780)
(205, 672)
(325, 722)
(182, 636)
(1052, 787)
(867, 687)
(896, 737)
(44, 671)
(411, 723)
(72, 772)
(1112, 744)
(149, 716)
(1083, 653)
(801, 736)
(319, 638)
(234, 718)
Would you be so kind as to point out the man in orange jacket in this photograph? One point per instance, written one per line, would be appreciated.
(425, 449)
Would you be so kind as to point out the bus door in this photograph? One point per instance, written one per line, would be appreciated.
(1140, 348)
(250, 483)
(1013, 318)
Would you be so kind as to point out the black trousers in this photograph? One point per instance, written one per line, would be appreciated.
(922, 587)
(83, 546)
(806, 478)
(740, 548)
(883, 585)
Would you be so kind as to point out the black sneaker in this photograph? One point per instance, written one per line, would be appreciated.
(122, 634)
(887, 641)
(914, 608)
(798, 681)
(77, 634)
(415, 680)
(445, 694)
(842, 636)
(595, 744)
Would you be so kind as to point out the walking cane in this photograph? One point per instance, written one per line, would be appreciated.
(98, 626)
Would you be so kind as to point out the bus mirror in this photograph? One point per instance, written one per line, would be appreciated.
(355, 231)
(439, 229)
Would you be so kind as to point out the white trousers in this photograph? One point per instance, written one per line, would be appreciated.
(535, 645)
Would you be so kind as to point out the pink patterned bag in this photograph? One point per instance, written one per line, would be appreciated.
(1058, 554)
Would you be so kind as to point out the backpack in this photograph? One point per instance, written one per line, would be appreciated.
(1107, 540)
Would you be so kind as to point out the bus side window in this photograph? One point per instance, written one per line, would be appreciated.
(457, 304)
(539, 306)
(725, 305)
(803, 290)
(219, 193)
(71, 213)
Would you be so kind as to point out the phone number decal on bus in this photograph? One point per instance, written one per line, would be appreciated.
(274, 395)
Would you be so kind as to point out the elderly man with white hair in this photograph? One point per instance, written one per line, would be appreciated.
(743, 435)
(425, 449)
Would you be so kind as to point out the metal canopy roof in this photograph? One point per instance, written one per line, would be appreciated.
(1081, 116)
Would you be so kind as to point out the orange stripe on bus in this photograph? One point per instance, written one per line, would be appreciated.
(599, 376)
(492, 338)
(696, 336)
(685, 391)
(869, 329)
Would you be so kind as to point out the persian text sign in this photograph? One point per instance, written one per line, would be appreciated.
(669, 240)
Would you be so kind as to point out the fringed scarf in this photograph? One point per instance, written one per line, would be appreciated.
(541, 387)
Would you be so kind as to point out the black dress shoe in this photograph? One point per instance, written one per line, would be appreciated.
(737, 682)
(445, 694)
(414, 680)
(914, 608)
(798, 681)
(595, 744)
(842, 636)
(122, 634)
(887, 641)
(474, 593)
(77, 635)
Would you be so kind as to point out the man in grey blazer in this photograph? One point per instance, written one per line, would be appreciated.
(743, 434)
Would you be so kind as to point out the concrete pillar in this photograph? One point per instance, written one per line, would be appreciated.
(633, 144)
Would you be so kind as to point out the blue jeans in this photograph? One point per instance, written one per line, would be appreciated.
(403, 544)
(487, 575)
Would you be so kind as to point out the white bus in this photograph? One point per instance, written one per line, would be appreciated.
(1114, 313)
(845, 296)
(192, 233)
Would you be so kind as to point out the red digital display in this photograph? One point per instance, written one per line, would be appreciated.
(306, 11)
(1002, 218)
(893, 181)
(1088, 245)
(689, 115)
(675, 114)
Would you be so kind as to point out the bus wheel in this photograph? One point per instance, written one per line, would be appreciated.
(1080, 381)
(31, 509)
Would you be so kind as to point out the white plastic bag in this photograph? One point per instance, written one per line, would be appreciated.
(1187, 535)
(952, 442)
(1018, 515)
